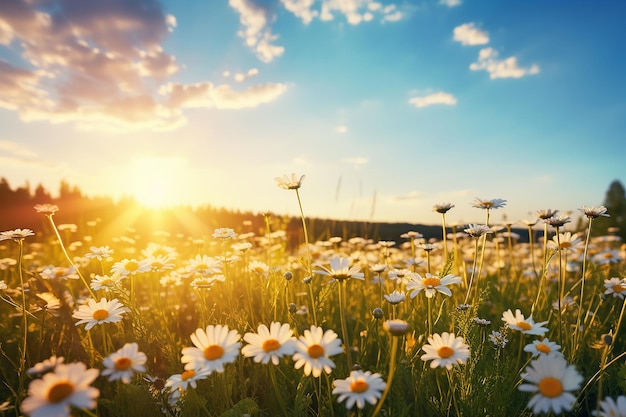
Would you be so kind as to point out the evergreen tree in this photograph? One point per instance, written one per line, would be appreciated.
(615, 202)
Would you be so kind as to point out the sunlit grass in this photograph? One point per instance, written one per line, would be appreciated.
(234, 323)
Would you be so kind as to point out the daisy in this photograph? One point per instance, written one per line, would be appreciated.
(443, 207)
(431, 284)
(204, 265)
(258, 267)
(16, 235)
(607, 257)
(552, 379)
(493, 204)
(313, 350)
(46, 366)
(58, 272)
(612, 408)
(269, 344)
(214, 347)
(543, 347)
(130, 266)
(445, 350)
(124, 363)
(477, 230)
(395, 297)
(339, 269)
(46, 209)
(566, 241)
(105, 282)
(224, 233)
(546, 214)
(101, 253)
(287, 182)
(190, 377)
(594, 212)
(615, 286)
(56, 392)
(99, 312)
(524, 325)
(557, 221)
(358, 388)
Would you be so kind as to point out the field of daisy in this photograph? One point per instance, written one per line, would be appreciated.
(478, 322)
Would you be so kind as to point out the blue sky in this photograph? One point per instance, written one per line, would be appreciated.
(387, 107)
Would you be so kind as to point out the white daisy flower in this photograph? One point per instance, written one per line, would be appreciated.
(189, 378)
(214, 347)
(615, 286)
(270, 344)
(543, 347)
(130, 266)
(99, 312)
(339, 269)
(431, 284)
(493, 204)
(445, 350)
(358, 388)
(552, 379)
(46, 365)
(101, 253)
(56, 392)
(395, 297)
(612, 408)
(287, 182)
(314, 348)
(524, 325)
(124, 363)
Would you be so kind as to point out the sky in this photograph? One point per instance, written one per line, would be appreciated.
(386, 107)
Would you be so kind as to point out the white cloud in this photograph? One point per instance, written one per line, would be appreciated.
(506, 68)
(450, 3)
(468, 34)
(358, 11)
(411, 195)
(341, 129)
(301, 9)
(241, 77)
(255, 18)
(432, 99)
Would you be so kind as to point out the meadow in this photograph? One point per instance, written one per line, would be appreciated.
(241, 322)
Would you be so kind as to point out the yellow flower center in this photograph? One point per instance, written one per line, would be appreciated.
(315, 351)
(131, 266)
(445, 352)
(60, 391)
(523, 325)
(123, 363)
(187, 374)
(550, 387)
(618, 288)
(202, 266)
(543, 348)
(107, 282)
(59, 273)
(213, 352)
(359, 386)
(100, 314)
(608, 255)
(432, 282)
(271, 345)
(565, 245)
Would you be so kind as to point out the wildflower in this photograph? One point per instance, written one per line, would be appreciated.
(340, 269)
(269, 344)
(524, 325)
(566, 241)
(551, 379)
(612, 408)
(187, 378)
(615, 286)
(56, 392)
(358, 388)
(3, 285)
(51, 302)
(58, 272)
(46, 365)
(495, 203)
(99, 312)
(395, 297)
(313, 350)
(160, 263)
(105, 282)
(558, 221)
(386, 243)
(482, 322)
(214, 347)
(396, 327)
(124, 363)
(287, 182)
(546, 214)
(607, 257)
(431, 284)
(224, 233)
(258, 267)
(205, 265)
(498, 339)
(445, 350)
(543, 347)
(443, 207)
(594, 212)
(378, 313)
(130, 266)
(46, 209)
(16, 235)
(477, 230)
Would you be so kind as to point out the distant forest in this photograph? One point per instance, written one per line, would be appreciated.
(102, 218)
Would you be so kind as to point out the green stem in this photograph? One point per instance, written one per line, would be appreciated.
(392, 369)
(344, 326)
(560, 285)
(308, 254)
(445, 243)
(469, 287)
(582, 288)
(278, 391)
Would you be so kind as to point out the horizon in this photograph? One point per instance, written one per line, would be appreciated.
(387, 107)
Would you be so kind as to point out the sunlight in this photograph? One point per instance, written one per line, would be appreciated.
(156, 182)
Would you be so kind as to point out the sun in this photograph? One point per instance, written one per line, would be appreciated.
(158, 182)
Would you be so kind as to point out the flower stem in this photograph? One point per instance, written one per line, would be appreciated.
(582, 288)
(344, 327)
(392, 369)
(277, 391)
(308, 255)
